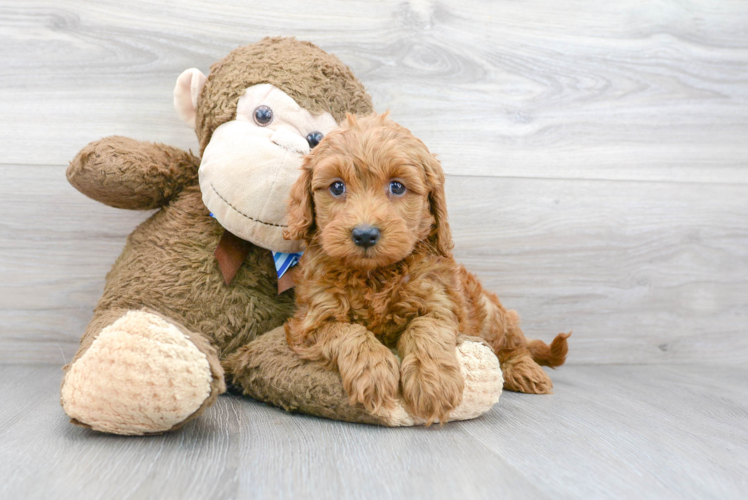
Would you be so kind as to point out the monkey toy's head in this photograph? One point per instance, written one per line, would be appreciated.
(256, 114)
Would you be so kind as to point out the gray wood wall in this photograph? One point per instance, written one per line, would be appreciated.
(597, 156)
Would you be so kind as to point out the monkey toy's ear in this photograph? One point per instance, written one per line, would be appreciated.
(189, 85)
(301, 207)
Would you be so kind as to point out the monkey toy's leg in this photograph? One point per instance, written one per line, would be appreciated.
(136, 372)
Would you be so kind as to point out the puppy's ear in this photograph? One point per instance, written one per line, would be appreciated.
(301, 207)
(440, 235)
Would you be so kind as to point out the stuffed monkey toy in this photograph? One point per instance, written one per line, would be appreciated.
(187, 304)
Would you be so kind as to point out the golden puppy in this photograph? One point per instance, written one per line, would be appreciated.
(378, 273)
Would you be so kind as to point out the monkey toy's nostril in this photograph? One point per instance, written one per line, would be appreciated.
(365, 236)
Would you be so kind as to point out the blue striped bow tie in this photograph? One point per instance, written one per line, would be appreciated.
(285, 261)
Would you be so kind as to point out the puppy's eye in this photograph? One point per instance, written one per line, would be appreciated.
(263, 115)
(397, 188)
(313, 138)
(337, 188)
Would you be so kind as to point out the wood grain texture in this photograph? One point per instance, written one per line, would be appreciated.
(622, 431)
(627, 90)
(642, 272)
(597, 155)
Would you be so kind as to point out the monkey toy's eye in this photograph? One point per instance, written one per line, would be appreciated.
(263, 115)
(397, 188)
(337, 188)
(313, 138)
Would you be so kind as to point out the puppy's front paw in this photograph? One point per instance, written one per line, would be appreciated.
(431, 389)
(525, 375)
(371, 378)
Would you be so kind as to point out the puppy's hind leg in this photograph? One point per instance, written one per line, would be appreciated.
(521, 372)
(520, 359)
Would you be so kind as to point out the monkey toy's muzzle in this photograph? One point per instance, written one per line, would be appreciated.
(246, 174)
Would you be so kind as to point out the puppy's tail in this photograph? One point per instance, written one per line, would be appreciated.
(550, 355)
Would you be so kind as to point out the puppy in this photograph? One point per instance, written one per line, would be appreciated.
(378, 274)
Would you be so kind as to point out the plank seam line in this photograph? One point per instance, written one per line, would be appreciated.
(506, 177)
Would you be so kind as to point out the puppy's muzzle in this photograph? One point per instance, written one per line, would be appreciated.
(365, 236)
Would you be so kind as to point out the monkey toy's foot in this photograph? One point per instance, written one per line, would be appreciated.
(141, 375)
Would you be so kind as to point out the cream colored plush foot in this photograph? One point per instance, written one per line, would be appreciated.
(141, 375)
(483, 384)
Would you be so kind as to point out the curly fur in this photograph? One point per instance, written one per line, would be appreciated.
(406, 292)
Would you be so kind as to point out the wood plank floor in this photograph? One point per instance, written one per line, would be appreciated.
(615, 431)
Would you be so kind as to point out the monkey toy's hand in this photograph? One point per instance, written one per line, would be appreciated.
(125, 173)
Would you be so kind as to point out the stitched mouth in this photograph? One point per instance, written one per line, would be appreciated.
(253, 219)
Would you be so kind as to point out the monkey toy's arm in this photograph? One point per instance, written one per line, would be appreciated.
(125, 173)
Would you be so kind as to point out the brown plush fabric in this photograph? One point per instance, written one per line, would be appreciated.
(316, 80)
(168, 265)
(268, 370)
(125, 173)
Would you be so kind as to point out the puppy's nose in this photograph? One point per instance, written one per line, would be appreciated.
(365, 236)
